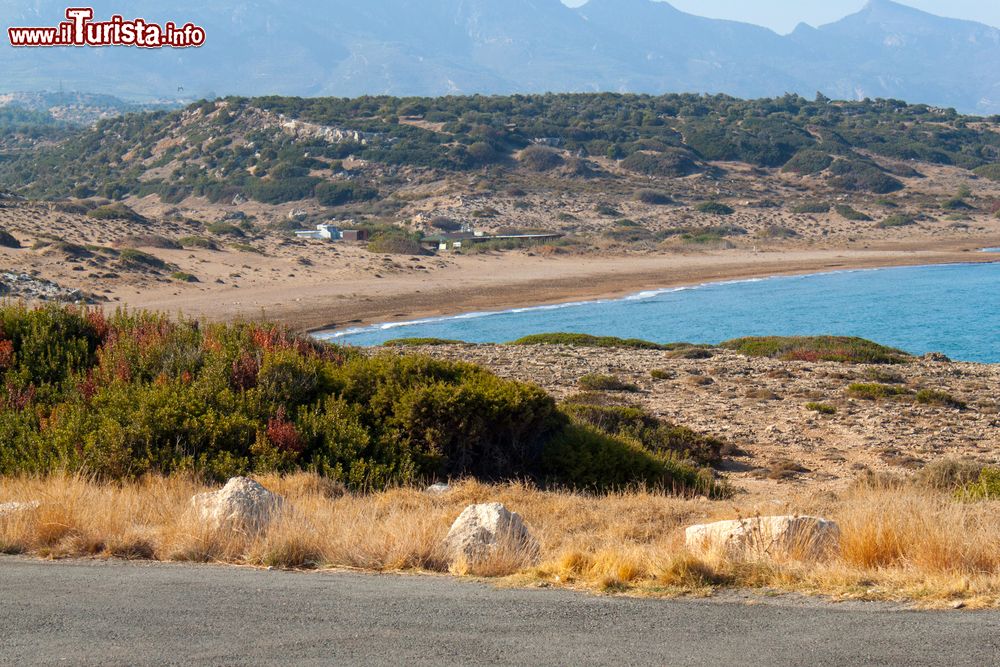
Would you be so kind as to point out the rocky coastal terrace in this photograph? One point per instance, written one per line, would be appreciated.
(790, 425)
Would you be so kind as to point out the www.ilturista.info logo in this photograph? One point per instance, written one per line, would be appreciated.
(81, 30)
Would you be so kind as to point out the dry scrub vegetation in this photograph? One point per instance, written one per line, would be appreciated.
(900, 541)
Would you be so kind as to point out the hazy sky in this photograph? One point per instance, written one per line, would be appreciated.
(784, 15)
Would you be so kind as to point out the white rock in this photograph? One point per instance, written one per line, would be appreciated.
(14, 508)
(242, 505)
(766, 537)
(481, 530)
(438, 488)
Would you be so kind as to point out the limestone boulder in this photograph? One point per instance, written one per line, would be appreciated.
(482, 530)
(796, 537)
(242, 505)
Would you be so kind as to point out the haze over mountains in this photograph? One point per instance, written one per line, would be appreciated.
(437, 47)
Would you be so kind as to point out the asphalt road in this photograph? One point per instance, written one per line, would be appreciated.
(98, 613)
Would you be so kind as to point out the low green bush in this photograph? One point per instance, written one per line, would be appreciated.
(811, 207)
(596, 460)
(897, 220)
(938, 397)
(132, 393)
(949, 474)
(541, 158)
(777, 232)
(693, 353)
(654, 197)
(198, 242)
(990, 171)
(818, 348)
(671, 163)
(418, 342)
(986, 487)
(849, 213)
(7, 240)
(821, 408)
(137, 259)
(598, 382)
(656, 435)
(116, 211)
(224, 229)
(873, 391)
(714, 208)
(586, 340)
(807, 162)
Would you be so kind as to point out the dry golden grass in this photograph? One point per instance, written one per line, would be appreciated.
(899, 542)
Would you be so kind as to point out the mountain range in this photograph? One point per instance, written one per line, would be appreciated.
(348, 48)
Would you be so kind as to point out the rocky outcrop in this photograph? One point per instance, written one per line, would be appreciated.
(439, 488)
(482, 530)
(242, 505)
(796, 537)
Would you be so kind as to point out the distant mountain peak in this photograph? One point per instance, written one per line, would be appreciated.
(437, 47)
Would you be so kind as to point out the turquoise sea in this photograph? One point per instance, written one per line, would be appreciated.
(954, 309)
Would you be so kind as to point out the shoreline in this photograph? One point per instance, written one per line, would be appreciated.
(587, 295)
(313, 303)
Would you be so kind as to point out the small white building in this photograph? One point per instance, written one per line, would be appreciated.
(323, 232)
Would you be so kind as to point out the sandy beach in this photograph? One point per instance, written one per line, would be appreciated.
(319, 299)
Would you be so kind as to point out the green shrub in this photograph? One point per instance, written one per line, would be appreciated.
(873, 391)
(607, 210)
(198, 242)
(660, 374)
(654, 197)
(990, 171)
(672, 163)
(692, 353)
(956, 204)
(150, 241)
(654, 434)
(586, 340)
(849, 213)
(117, 211)
(818, 348)
(777, 232)
(343, 192)
(811, 207)
(245, 247)
(7, 240)
(417, 342)
(938, 397)
(987, 487)
(949, 474)
(897, 220)
(714, 208)
(445, 224)
(135, 393)
(131, 258)
(224, 229)
(807, 162)
(592, 459)
(597, 382)
(859, 175)
(541, 158)
(821, 408)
